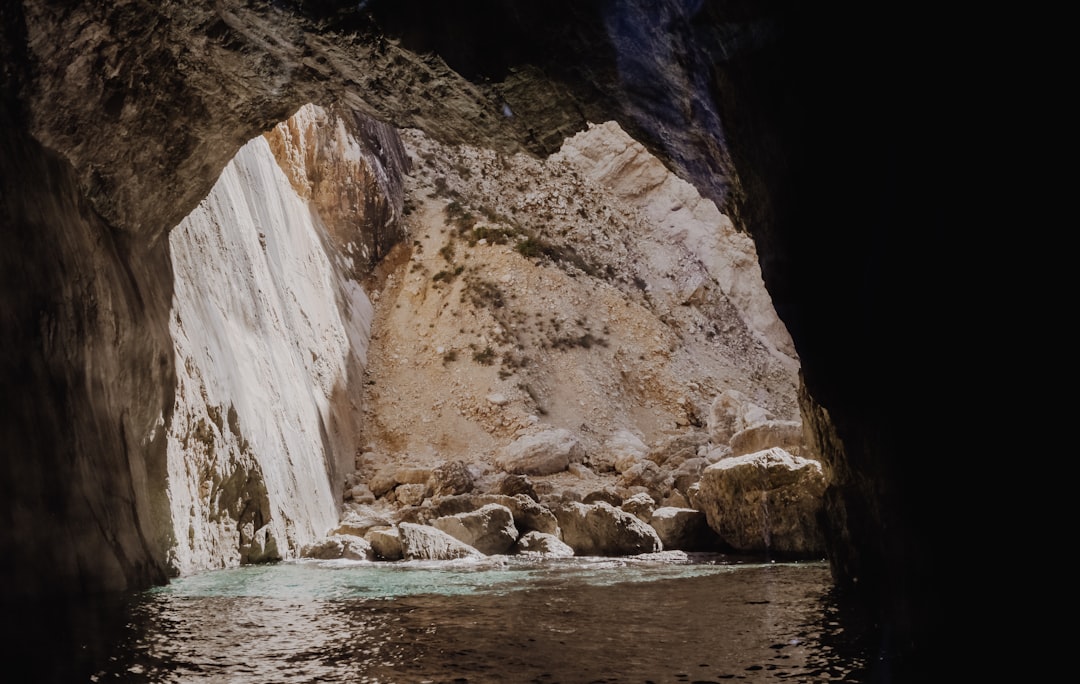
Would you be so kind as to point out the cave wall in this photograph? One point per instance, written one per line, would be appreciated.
(118, 119)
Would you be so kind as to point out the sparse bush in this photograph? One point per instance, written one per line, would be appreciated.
(485, 356)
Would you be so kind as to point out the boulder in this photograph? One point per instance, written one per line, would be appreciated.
(671, 452)
(542, 453)
(339, 546)
(528, 514)
(383, 481)
(541, 544)
(358, 522)
(689, 472)
(650, 476)
(623, 448)
(684, 529)
(766, 502)
(490, 530)
(385, 543)
(640, 506)
(423, 542)
(512, 485)
(605, 494)
(411, 494)
(360, 494)
(600, 529)
(785, 434)
(412, 475)
(731, 411)
(449, 478)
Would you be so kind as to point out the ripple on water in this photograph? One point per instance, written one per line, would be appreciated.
(707, 619)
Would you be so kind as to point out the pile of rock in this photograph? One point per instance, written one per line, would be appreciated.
(741, 486)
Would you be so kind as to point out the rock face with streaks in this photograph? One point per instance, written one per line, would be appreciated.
(271, 328)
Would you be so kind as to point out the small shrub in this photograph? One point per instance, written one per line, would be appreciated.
(485, 356)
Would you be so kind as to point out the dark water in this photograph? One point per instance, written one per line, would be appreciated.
(502, 620)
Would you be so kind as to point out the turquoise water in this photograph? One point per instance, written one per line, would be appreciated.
(343, 579)
(499, 620)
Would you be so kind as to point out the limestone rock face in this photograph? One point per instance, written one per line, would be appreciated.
(543, 453)
(726, 256)
(270, 333)
(349, 168)
(765, 502)
(423, 542)
(600, 529)
(490, 529)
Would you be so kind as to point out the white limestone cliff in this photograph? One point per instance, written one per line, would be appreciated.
(270, 337)
(679, 215)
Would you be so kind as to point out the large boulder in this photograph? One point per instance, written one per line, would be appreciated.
(423, 542)
(786, 434)
(684, 529)
(451, 477)
(765, 502)
(600, 529)
(528, 514)
(542, 453)
(640, 505)
(490, 530)
(385, 543)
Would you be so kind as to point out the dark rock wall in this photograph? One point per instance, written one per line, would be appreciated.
(810, 133)
(87, 368)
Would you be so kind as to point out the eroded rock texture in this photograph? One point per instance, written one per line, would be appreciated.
(117, 119)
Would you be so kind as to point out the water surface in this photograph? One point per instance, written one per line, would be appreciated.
(503, 619)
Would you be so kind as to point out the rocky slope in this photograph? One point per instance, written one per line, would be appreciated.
(590, 291)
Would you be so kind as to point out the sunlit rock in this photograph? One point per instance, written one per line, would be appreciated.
(640, 505)
(266, 337)
(451, 477)
(621, 450)
(765, 502)
(600, 529)
(385, 543)
(542, 453)
(339, 546)
(358, 522)
(490, 529)
(685, 223)
(423, 542)
(411, 494)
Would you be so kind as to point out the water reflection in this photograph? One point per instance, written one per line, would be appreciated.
(569, 621)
